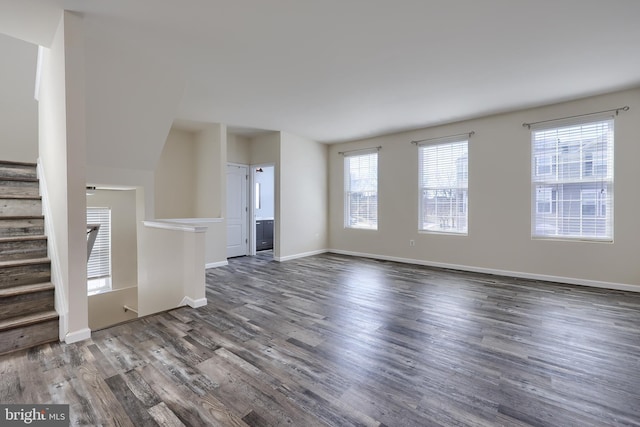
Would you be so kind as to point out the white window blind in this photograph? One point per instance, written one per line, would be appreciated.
(361, 190)
(572, 181)
(444, 176)
(99, 265)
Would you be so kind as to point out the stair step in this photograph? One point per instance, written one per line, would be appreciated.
(24, 272)
(20, 206)
(27, 331)
(27, 299)
(18, 170)
(21, 226)
(15, 187)
(20, 196)
(23, 247)
(25, 289)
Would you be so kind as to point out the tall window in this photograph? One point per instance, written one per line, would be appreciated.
(572, 181)
(444, 176)
(361, 190)
(99, 264)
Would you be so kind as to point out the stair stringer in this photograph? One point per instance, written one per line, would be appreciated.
(56, 272)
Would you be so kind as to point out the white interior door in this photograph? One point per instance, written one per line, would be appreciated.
(237, 181)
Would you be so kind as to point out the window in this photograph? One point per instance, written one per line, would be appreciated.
(444, 176)
(572, 188)
(99, 264)
(361, 190)
(545, 200)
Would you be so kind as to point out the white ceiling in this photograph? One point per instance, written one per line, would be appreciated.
(336, 70)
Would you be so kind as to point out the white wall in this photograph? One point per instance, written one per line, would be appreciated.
(18, 109)
(499, 201)
(133, 93)
(303, 196)
(33, 21)
(62, 156)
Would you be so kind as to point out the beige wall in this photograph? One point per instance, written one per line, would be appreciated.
(265, 148)
(238, 149)
(107, 308)
(499, 201)
(210, 171)
(175, 177)
(303, 196)
(172, 269)
(124, 247)
(190, 182)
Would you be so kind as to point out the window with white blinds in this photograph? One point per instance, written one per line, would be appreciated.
(572, 181)
(443, 183)
(361, 190)
(99, 265)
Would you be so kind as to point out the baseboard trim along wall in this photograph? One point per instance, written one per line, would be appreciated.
(542, 277)
(76, 336)
(200, 302)
(301, 255)
(216, 264)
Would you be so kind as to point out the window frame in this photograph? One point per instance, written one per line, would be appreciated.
(102, 281)
(582, 152)
(369, 192)
(446, 224)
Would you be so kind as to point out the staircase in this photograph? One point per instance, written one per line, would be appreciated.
(27, 314)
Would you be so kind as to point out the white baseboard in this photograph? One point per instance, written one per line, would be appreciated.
(200, 302)
(301, 255)
(76, 336)
(216, 264)
(507, 273)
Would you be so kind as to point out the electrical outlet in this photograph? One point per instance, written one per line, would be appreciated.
(412, 242)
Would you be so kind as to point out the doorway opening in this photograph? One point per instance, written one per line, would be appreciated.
(263, 208)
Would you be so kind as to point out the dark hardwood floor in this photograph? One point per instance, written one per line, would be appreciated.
(341, 341)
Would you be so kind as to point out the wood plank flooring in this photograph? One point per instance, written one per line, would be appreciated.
(331, 340)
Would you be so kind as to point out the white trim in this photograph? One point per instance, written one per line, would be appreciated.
(301, 255)
(36, 91)
(200, 302)
(79, 335)
(194, 220)
(246, 204)
(175, 225)
(507, 273)
(216, 264)
(56, 271)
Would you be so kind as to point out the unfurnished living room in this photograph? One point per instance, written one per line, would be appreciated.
(319, 213)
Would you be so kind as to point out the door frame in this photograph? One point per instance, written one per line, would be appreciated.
(252, 206)
(249, 233)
